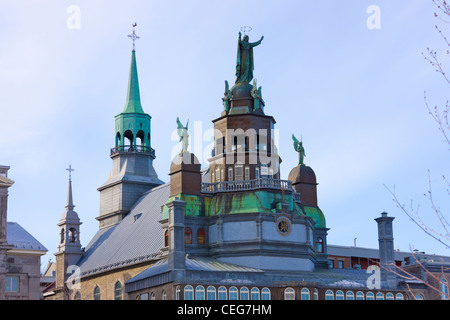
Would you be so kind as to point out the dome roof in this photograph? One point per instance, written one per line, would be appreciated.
(185, 161)
(302, 174)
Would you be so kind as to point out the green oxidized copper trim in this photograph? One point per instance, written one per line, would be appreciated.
(317, 215)
(133, 104)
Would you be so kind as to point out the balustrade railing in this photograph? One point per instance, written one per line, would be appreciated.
(244, 185)
(129, 148)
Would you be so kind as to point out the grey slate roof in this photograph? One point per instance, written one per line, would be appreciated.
(135, 239)
(21, 239)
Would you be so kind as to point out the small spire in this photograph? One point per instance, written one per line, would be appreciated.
(133, 104)
(70, 204)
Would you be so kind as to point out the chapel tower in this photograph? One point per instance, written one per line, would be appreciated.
(132, 172)
(69, 247)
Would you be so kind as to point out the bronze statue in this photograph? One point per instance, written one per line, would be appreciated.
(244, 63)
(183, 134)
(298, 146)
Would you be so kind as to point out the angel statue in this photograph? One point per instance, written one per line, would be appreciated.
(298, 146)
(183, 134)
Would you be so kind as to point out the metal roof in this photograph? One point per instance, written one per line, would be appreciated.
(21, 239)
(137, 238)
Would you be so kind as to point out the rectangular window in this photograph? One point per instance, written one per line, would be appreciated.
(340, 264)
(217, 174)
(238, 171)
(330, 264)
(12, 284)
(247, 173)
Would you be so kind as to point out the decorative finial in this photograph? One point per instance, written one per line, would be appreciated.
(133, 35)
(70, 172)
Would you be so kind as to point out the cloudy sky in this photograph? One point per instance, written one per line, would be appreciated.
(348, 76)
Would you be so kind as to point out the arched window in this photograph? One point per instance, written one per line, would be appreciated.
(97, 295)
(380, 296)
(305, 294)
(244, 294)
(141, 136)
(265, 294)
(201, 236)
(349, 295)
(247, 173)
(188, 235)
(129, 136)
(217, 174)
(389, 296)
(399, 296)
(152, 296)
(369, 296)
(419, 297)
(72, 235)
(166, 238)
(289, 294)
(319, 245)
(164, 295)
(222, 293)
(77, 295)
(233, 293)
(62, 234)
(118, 291)
(254, 293)
(444, 289)
(339, 295)
(329, 295)
(199, 293)
(211, 293)
(188, 293)
(118, 142)
(230, 173)
(359, 295)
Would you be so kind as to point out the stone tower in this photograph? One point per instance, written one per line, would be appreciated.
(69, 247)
(5, 183)
(132, 172)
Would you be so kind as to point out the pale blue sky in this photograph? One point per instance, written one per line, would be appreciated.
(354, 94)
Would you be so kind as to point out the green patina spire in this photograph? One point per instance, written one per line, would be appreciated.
(133, 104)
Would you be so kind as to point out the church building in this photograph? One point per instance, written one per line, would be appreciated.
(232, 231)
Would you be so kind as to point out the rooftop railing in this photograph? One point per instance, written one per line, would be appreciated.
(244, 185)
(129, 148)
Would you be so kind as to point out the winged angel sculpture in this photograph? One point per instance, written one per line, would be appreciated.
(183, 134)
(298, 146)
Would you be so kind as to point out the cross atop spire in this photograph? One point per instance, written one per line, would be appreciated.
(133, 36)
(70, 172)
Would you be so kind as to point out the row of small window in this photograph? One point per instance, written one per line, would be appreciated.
(97, 294)
(240, 173)
(349, 295)
(222, 293)
(201, 236)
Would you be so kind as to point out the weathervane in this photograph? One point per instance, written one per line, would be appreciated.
(246, 29)
(133, 36)
(70, 172)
